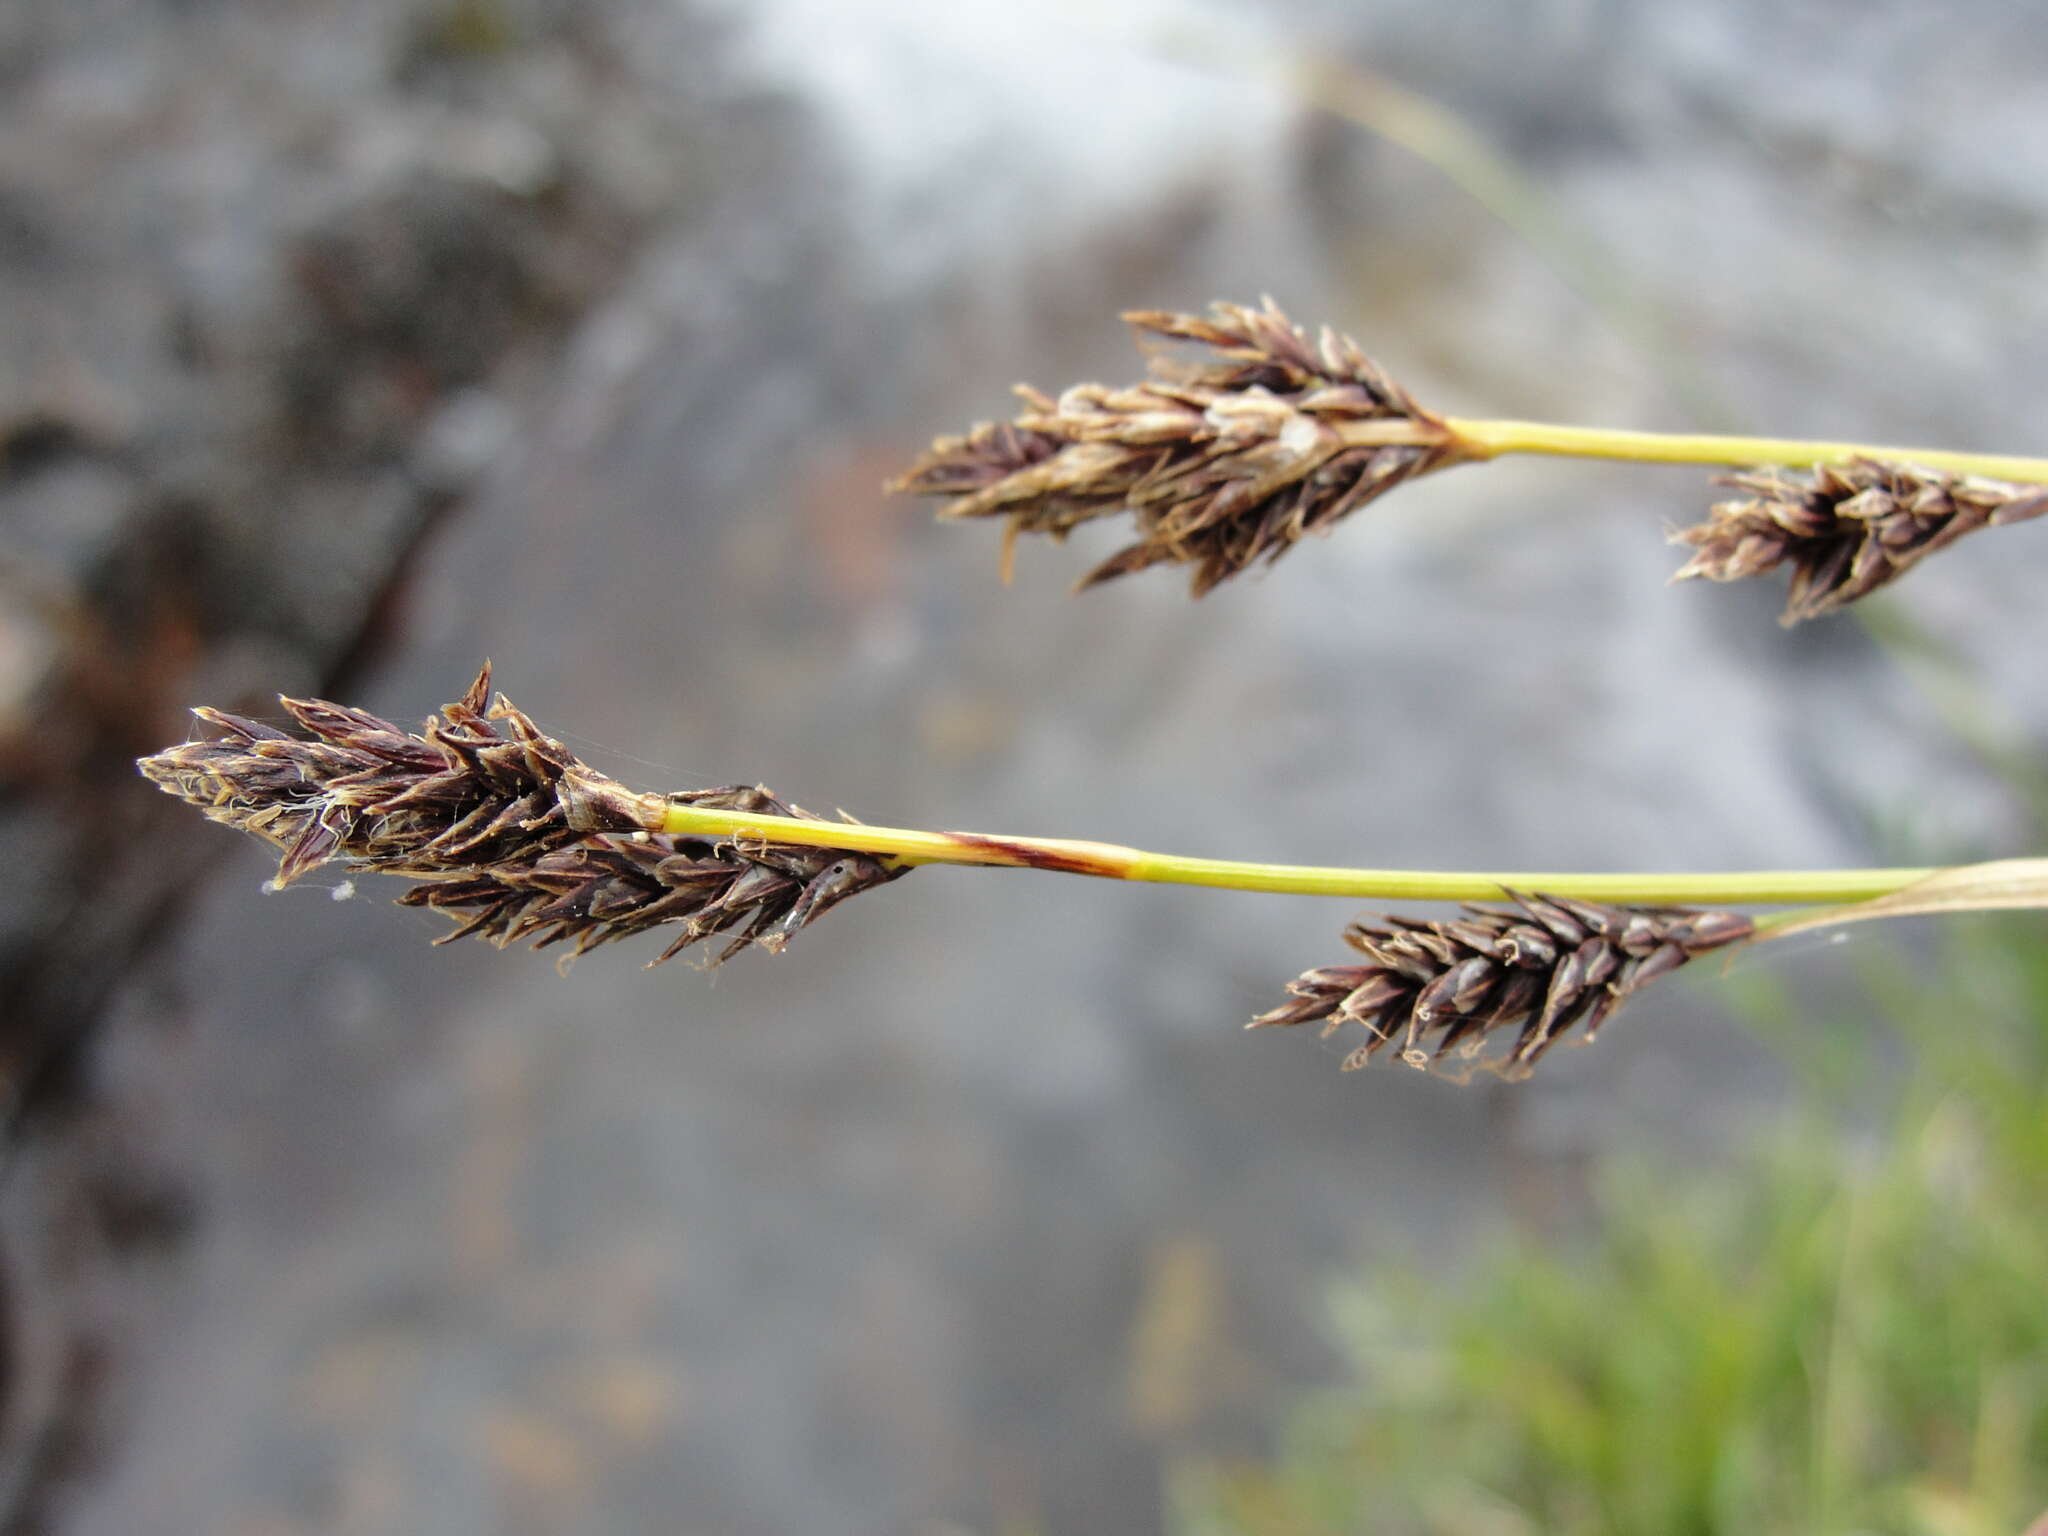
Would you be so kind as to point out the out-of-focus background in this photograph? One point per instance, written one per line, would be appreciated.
(345, 343)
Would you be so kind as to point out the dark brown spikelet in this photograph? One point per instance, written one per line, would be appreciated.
(506, 830)
(1439, 993)
(1846, 529)
(1222, 462)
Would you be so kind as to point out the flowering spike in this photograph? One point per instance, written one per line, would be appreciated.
(507, 832)
(1223, 462)
(1846, 529)
(1541, 967)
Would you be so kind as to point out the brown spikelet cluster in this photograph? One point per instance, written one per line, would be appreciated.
(1444, 992)
(503, 827)
(1221, 462)
(1846, 529)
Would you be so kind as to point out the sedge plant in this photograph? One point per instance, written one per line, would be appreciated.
(1221, 463)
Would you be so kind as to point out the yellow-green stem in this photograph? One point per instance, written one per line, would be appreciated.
(1110, 862)
(1490, 439)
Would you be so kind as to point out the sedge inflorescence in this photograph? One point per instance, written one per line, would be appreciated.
(1446, 991)
(1846, 529)
(503, 828)
(1221, 461)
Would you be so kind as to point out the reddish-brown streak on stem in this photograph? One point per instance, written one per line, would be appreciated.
(1033, 856)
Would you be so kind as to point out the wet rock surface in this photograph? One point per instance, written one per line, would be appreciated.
(976, 1205)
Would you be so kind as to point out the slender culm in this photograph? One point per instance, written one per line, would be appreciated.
(1228, 460)
(505, 830)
